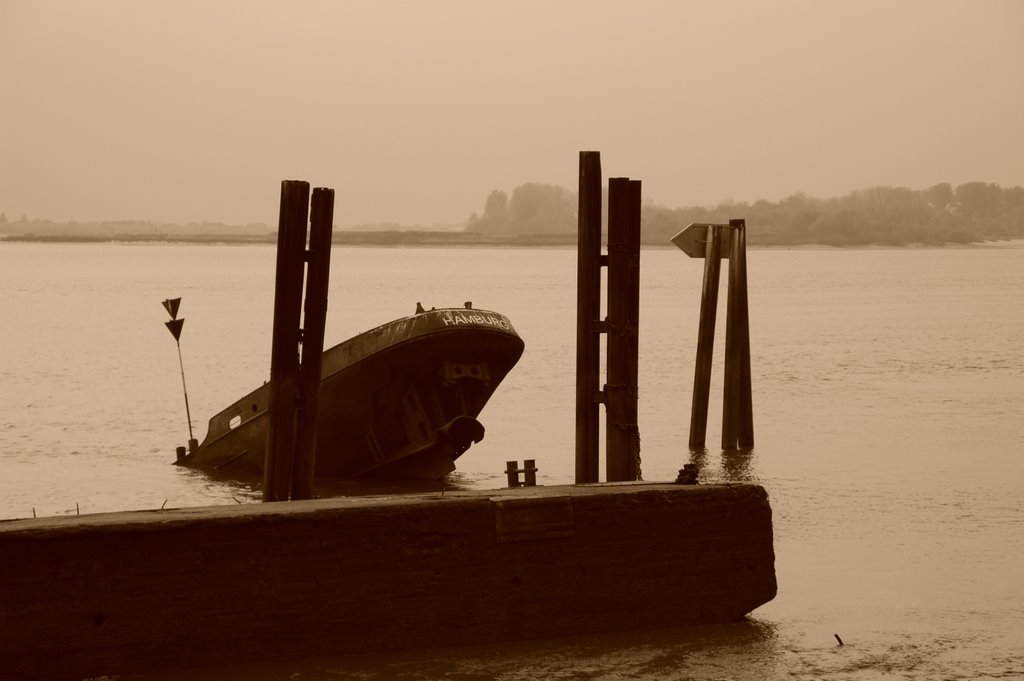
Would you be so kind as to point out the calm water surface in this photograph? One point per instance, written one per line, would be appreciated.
(888, 413)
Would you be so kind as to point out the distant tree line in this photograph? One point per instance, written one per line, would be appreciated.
(895, 216)
(533, 209)
(546, 214)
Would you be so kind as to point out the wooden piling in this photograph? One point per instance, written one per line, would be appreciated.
(284, 354)
(635, 202)
(588, 310)
(705, 338)
(621, 432)
(313, 324)
(745, 436)
(737, 409)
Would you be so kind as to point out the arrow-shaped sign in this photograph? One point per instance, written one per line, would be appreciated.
(171, 305)
(694, 238)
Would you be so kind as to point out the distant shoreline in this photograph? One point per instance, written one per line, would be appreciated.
(416, 238)
(339, 238)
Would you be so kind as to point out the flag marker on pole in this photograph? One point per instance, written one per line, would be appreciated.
(175, 326)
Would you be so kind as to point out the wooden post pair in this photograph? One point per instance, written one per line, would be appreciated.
(713, 242)
(622, 436)
(297, 346)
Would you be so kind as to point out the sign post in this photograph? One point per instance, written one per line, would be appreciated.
(175, 326)
(714, 242)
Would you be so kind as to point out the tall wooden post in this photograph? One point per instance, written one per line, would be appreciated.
(284, 354)
(705, 338)
(588, 310)
(737, 408)
(313, 325)
(621, 432)
(633, 319)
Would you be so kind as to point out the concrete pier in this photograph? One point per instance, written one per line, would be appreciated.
(161, 590)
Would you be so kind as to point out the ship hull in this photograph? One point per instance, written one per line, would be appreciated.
(398, 400)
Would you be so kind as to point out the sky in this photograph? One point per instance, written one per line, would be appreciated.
(188, 111)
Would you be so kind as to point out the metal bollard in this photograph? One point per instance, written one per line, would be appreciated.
(530, 472)
(529, 469)
(512, 471)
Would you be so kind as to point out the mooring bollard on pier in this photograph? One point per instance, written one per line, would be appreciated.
(529, 471)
